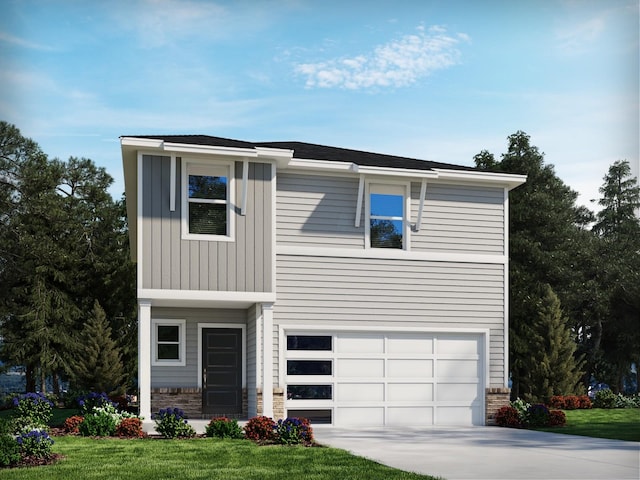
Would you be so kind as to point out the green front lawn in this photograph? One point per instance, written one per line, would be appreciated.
(202, 458)
(617, 424)
(59, 415)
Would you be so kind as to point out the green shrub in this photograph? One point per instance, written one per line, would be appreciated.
(32, 409)
(260, 429)
(101, 422)
(605, 398)
(222, 427)
(508, 416)
(35, 443)
(170, 423)
(291, 431)
(9, 450)
(537, 415)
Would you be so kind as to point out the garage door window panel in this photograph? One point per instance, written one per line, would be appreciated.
(309, 392)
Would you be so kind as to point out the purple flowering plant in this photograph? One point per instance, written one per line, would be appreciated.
(170, 423)
(35, 443)
(293, 430)
(93, 400)
(32, 408)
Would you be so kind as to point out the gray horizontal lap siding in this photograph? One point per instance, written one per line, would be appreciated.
(314, 210)
(455, 218)
(168, 262)
(317, 210)
(187, 376)
(363, 292)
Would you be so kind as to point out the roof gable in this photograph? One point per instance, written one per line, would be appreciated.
(310, 151)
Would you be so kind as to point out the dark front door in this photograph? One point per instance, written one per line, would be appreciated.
(222, 370)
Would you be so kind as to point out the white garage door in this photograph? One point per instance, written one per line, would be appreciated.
(385, 378)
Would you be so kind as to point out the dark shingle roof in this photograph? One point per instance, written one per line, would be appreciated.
(313, 152)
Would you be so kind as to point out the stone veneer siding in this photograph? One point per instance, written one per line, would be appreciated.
(278, 403)
(190, 400)
(494, 399)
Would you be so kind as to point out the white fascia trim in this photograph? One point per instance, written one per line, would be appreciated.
(391, 254)
(240, 326)
(141, 142)
(508, 179)
(168, 298)
(310, 164)
(506, 289)
(395, 172)
(139, 223)
(274, 153)
(186, 147)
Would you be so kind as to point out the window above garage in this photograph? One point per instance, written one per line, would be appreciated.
(387, 223)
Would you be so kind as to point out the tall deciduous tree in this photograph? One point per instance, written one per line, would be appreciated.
(543, 229)
(62, 245)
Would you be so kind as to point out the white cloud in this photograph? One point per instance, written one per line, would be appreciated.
(8, 38)
(575, 38)
(399, 63)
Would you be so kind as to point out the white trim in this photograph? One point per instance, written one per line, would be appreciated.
(144, 357)
(239, 326)
(267, 360)
(509, 180)
(274, 213)
(201, 166)
(423, 193)
(245, 187)
(311, 164)
(139, 223)
(182, 342)
(359, 202)
(203, 298)
(381, 186)
(172, 183)
(394, 172)
(506, 288)
(391, 254)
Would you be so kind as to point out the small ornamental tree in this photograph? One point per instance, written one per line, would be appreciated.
(98, 364)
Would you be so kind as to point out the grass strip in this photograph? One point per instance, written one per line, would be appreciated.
(614, 424)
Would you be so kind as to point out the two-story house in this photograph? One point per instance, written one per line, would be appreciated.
(292, 279)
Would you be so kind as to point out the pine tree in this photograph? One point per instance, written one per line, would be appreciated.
(553, 368)
(97, 363)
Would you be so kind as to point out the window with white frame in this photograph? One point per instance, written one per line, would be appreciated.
(168, 340)
(387, 216)
(206, 208)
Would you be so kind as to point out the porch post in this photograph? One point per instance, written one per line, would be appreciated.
(144, 358)
(267, 359)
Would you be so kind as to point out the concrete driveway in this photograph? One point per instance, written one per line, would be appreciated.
(489, 453)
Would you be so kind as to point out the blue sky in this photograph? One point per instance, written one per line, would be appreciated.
(438, 80)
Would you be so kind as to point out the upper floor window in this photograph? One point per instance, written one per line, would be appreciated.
(388, 223)
(207, 202)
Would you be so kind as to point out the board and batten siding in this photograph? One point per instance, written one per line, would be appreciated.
(360, 292)
(169, 262)
(320, 211)
(187, 376)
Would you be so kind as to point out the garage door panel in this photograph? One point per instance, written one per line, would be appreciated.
(414, 416)
(359, 416)
(408, 344)
(360, 367)
(410, 392)
(458, 345)
(459, 416)
(408, 368)
(360, 344)
(457, 392)
(360, 392)
(451, 369)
